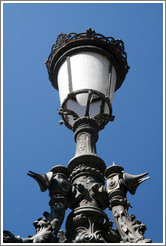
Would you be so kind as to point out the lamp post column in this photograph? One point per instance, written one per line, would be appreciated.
(87, 222)
(86, 136)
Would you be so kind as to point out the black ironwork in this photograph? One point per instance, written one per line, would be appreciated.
(62, 39)
(81, 185)
(81, 188)
(102, 118)
(118, 184)
(66, 42)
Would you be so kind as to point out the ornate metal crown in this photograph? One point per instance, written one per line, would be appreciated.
(116, 47)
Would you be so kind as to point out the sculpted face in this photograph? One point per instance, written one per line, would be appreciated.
(40, 224)
(85, 180)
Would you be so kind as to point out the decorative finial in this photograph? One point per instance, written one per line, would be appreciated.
(90, 33)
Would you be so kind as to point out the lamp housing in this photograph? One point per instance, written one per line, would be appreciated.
(87, 68)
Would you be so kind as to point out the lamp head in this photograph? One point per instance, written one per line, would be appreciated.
(87, 68)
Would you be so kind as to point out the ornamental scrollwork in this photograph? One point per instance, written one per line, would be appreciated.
(44, 234)
(62, 39)
(88, 227)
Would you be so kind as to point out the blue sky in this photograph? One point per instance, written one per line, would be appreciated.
(33, 139)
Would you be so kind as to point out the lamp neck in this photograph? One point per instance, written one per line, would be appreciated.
(86, 135)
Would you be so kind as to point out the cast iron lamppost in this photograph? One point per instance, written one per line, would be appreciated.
(87, 68)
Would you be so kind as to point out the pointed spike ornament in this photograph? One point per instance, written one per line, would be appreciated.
(133, 181)
(43, 180)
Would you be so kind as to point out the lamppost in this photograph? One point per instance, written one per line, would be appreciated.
(86, 68)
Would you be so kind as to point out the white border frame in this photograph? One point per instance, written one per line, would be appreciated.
(8, 2)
